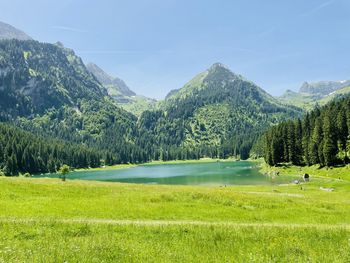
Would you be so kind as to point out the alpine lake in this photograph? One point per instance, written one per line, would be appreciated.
(218, 173)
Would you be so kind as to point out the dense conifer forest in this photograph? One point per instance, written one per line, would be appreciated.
(320, 137)
(22, 152)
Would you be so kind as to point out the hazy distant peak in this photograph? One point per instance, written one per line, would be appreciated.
(323, 87)
(9, 32)
(114, 84)
(219, 65)
(59, 44)
(100, 74)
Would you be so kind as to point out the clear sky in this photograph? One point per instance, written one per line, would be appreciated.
(158, 45)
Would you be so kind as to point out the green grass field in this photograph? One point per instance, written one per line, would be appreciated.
(47, 220)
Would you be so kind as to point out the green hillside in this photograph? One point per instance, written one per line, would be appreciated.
(218, 112)
(37, 76)
(47, 90)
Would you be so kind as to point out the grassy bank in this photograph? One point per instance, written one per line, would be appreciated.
(46, 220)
(340, 172)
(106, 168)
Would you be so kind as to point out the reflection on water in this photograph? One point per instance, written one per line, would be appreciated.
(227, 173)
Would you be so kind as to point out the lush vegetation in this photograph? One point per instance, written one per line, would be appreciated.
(48, 220)
(37, 76)
(321, 137)
(47, 90)
(217, 114)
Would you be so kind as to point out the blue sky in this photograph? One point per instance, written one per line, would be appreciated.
(158, 45)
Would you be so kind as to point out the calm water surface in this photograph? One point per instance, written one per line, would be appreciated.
(218, 173)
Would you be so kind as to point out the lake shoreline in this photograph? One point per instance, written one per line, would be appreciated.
(213, 172)
(123, 166)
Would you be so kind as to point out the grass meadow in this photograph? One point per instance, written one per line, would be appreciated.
(47, 220)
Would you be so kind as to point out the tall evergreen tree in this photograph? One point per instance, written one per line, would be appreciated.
(306, 136)
(315, 143)
(329, 142)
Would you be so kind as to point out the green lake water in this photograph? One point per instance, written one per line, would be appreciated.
(215, 173)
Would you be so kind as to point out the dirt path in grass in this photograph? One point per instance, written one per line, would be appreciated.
(170, 223)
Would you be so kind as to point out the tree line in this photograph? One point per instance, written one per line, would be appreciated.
(321, 137)
(22, 152)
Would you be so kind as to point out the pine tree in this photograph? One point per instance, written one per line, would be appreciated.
(11, 167)
(298, 143)
(315, 142)
(306, 136)
(329, 142)
(291, 143)
(342, 129)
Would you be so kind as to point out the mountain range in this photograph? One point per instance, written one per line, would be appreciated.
(316, 93)
(121, 93)
(47, 90)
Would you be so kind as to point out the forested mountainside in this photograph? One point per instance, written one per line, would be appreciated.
(46, 89)
(121, 93)
(321, 137)
(218, 112)
(35, 77)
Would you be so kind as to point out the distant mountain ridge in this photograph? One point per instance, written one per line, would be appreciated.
(323, 87)
(316, 93)
(9, 32)
(120, 92)
(114, 85)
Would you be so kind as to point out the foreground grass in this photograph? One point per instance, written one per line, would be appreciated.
(46, 220)
(53, 242)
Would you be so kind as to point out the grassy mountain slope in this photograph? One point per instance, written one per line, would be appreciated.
(309, 101)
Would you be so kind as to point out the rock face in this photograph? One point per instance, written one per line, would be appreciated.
(323, 87)
(9, 32)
